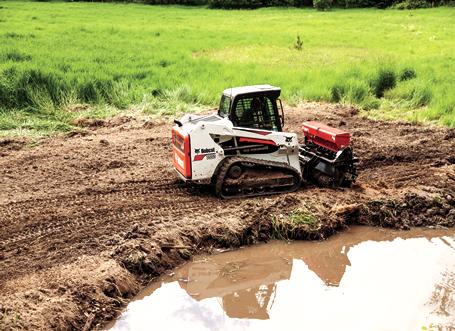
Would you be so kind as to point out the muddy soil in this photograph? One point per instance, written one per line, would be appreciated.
(89, 218)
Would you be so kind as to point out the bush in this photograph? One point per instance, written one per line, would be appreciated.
(322, 4)
(231, 4)
(412, 4)
(386, 79)
(407, 74)
(174, 2)
(363, 3)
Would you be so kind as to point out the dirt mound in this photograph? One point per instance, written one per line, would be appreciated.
(85, 219)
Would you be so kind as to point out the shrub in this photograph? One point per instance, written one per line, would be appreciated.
(364, 3)
(386, 79)
(407, 74)
(411, 4)
(174, 2)
(322, 4)
(231, 4)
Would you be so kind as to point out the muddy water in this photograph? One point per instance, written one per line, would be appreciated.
(362, 279)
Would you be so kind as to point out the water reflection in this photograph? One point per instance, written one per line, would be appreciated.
(365, 279)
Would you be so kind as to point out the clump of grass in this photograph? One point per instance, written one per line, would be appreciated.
(299, 224)
(337, 92)
(164, 63)
(442, 109)
(169, 102)
(385, 79)
(354, 92)
(17, 56)
(407, 74)
(303, 217)
(410, 95)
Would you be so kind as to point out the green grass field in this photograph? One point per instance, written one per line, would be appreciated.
(158, 59)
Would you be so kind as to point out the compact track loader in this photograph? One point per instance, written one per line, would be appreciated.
(242, 150)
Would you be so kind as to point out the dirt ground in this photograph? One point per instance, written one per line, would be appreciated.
(89, 218)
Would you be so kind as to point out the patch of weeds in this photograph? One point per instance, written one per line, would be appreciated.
(298, 45)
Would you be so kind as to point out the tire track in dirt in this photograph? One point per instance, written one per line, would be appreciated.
(114, 209)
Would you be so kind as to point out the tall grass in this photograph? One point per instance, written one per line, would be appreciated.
(394, 64)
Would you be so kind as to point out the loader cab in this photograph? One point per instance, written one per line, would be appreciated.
(255, 107)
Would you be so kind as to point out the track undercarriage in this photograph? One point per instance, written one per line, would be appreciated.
(246, 177)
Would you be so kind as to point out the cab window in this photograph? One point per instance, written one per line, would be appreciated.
(224, 106)
(255, 112)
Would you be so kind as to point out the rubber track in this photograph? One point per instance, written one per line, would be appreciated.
(222, 173)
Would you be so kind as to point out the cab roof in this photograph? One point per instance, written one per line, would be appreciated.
(235, 91)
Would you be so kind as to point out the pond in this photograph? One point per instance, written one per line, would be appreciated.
(362, 279)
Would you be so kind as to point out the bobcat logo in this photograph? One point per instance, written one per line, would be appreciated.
(288, 139)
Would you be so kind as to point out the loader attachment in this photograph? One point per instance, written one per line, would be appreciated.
(326, 157)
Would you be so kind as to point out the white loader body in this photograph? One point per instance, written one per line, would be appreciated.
(205, 133)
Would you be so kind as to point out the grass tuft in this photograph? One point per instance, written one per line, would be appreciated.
(385, 80)
(299, 224)
(407, 74)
